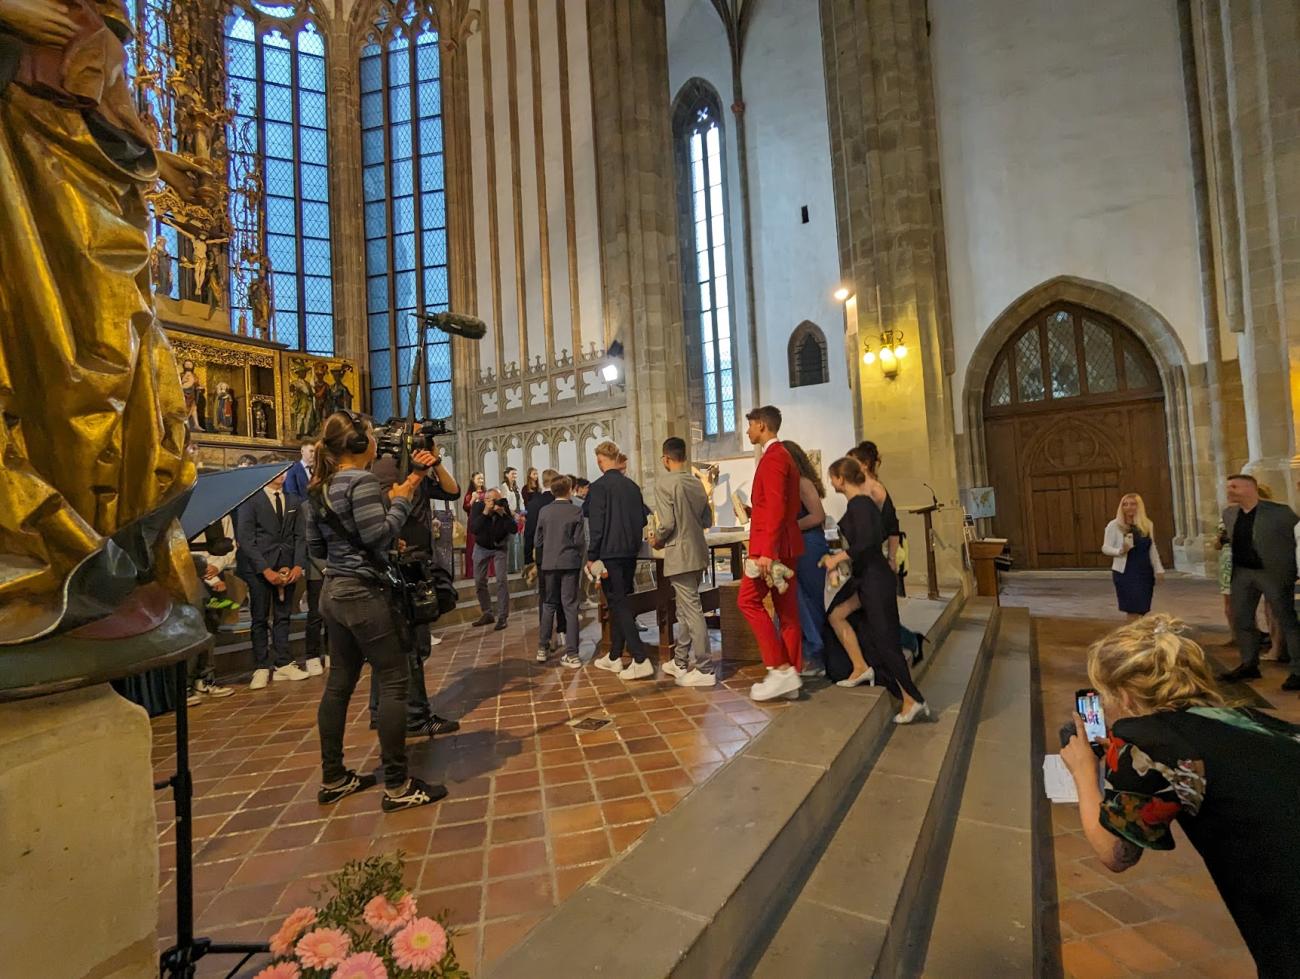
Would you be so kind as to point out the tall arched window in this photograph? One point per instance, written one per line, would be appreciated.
(276, 84)
(405, 213)
(706, 300)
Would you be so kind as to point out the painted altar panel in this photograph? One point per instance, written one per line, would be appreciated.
(230, 388)
(313, 389)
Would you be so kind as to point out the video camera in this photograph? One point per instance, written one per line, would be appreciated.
(398, 437)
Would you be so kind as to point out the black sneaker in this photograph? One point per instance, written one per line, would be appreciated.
(1291, 683)
(354, 783)
(434, 726)
(416, 793)
(487, 618)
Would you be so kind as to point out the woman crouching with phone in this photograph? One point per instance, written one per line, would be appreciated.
(1177, 752)
(352, 527)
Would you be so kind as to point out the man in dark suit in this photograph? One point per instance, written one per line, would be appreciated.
(1263, 563)
(532, 511)
(299, 474)
(271, 528)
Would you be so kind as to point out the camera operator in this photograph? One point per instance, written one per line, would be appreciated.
(493, 524)
(417, 535)
(353, 527)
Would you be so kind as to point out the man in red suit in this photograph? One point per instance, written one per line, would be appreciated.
(773, 536)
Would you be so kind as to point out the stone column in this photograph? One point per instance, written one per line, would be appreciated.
(885, 163)
(78, 838)
(1249, 53)
(347, 213)
(638, 218)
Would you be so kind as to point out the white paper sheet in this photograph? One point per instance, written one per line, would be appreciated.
(1058, 781)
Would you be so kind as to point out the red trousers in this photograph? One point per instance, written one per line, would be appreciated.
(785, 649)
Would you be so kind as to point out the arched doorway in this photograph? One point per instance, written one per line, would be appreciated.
(1074, 417)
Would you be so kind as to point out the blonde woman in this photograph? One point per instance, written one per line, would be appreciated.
(1228, 776)
(1135, 563)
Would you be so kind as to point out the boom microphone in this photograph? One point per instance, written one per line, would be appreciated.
(455, 324)
(934, 499)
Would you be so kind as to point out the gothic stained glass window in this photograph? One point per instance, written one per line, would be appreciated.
(707, 300)
(276, 85)
(405, 217)
(1000, 392)
(1099, 358)
(1062, 358)
(1029, 367)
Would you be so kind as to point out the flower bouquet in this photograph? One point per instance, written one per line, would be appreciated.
(369, 929)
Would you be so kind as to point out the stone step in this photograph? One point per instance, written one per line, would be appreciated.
(689, 899)
(853, 917)
(992, 850)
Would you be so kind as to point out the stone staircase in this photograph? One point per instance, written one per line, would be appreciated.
(838, 845)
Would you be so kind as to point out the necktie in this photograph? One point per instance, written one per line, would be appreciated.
(279, 507)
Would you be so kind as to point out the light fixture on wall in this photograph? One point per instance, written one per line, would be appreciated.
(841, 294)
(611, 369)
(892, 350)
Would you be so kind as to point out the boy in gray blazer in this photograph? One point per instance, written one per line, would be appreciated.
(560, 548)
(684, 514)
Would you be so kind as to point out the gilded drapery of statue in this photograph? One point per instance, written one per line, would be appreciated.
(94, 429)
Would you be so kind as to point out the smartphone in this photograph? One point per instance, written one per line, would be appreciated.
(1088, 704)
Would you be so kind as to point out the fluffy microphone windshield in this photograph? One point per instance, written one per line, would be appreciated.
(457, 324)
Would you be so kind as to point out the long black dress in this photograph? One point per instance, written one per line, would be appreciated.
(864, 528)
(1231, 779)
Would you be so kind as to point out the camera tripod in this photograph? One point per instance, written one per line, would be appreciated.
(178, 961)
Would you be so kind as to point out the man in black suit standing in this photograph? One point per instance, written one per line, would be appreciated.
(1263, 564)
(271, 528)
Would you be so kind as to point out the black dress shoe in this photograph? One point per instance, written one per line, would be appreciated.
(1291, 683)
(1239, 674)
(485, 619)
(501, 624)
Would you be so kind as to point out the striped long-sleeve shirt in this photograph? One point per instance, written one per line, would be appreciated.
(354, 494)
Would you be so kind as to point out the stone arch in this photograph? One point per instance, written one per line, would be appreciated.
(806, 340)
(1156, 334)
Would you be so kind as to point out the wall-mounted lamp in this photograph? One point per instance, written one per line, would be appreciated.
(611, 370)
(841, 294)
(892, 350)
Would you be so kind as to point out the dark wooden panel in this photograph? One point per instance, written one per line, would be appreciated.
(1054, 543)
(1095, 497)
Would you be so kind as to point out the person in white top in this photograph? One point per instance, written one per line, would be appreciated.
(1135, 563)
(513, 494)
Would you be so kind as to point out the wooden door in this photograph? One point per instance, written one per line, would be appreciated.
(1074, 419)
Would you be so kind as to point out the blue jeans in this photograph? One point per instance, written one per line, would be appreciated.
(811, 579)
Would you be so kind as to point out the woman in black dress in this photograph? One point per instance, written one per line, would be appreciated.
(1229, 776)
(871, 637)
(1135, 563)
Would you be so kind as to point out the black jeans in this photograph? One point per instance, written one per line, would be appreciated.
(622, 622)
(1248, 584)
(417, 694)
(270, 621)
(315, 623)
(362, 627)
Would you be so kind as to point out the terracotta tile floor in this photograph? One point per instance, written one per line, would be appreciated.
(1164, 916)
(535, 807)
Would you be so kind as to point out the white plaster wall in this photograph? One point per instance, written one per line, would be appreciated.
(1064, 150)
(796, 265)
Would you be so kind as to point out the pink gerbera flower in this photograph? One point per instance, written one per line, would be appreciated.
(383, 916)
(298, 921)
(420, 945)
(323, 948)
(284, 970)
(406, 907)
(363, 965)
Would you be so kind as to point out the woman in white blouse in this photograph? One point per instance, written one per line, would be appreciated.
(1135, 563)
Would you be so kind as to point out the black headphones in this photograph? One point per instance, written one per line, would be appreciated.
(359, 440)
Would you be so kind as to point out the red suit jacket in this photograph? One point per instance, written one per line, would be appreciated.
(774, 517)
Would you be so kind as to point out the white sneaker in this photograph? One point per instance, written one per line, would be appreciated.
(602, 662)
(777, 683)
(571, 661)
(260, 679)
(915, 712)
(192, 699)
(315, 667)
(212, 690)
(543, 654)
(694, 678)
(638, 671)
(435, 640)
(290, 671)
(812, 672)
(672, 669)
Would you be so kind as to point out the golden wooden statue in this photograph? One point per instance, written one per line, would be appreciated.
(93, 435)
